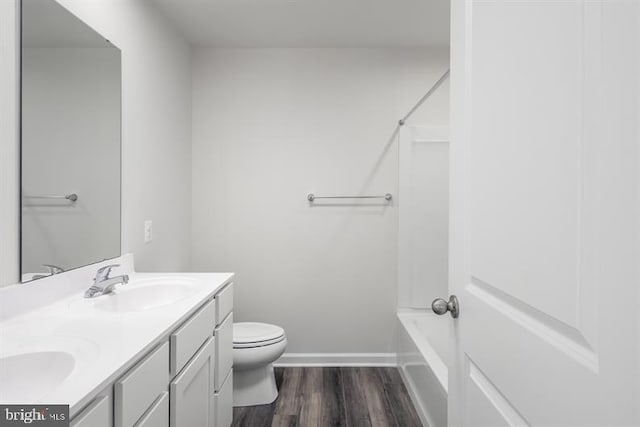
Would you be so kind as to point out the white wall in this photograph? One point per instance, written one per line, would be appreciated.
(156, 128)
(270, 126)
(9, 146)
(70, 144)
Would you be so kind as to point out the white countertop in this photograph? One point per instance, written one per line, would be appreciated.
(103, 343)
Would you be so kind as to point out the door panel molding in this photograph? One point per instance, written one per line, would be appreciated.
(510, 415)
(562, 336)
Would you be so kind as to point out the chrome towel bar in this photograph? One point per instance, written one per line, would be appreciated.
(312, 197)
(71, 197)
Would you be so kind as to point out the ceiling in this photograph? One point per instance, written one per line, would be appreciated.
(45, 23)
(310, 23)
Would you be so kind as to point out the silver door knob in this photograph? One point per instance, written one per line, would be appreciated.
(440, 306)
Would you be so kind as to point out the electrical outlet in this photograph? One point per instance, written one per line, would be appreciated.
(148, 231)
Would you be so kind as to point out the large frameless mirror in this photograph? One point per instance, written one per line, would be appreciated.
(71, 149)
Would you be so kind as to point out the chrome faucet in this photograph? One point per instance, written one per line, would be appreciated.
(103, 284)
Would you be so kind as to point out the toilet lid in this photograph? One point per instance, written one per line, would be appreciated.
(256, 334)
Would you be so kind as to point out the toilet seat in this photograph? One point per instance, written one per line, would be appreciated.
(255, 347)
(254, 334)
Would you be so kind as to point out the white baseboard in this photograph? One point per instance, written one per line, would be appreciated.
(337, 359)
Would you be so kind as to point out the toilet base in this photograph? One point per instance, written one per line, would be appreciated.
(255, 386)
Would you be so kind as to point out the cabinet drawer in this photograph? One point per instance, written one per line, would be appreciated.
(190, 398)
(187, 339)
(224, 350)
(223, 403)
(158, 414)
(140, 387)
(97, 414)
(224, 303)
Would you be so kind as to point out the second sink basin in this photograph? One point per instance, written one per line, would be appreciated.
(147, 294)
(27, 377)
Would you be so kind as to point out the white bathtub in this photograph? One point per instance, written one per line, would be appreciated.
(423, 354)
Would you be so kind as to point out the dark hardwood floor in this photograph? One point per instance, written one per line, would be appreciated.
(354, 397)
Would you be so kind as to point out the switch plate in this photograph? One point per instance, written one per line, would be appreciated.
(148, 231)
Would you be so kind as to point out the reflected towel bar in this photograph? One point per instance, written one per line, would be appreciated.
(311, 197)
(71, 197)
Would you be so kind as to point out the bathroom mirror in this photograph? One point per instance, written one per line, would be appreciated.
(70, 147)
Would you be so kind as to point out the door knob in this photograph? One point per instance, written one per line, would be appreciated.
(440, 306)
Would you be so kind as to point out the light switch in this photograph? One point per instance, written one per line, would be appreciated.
(148, 231)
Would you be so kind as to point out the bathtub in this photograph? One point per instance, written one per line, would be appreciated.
(423, 353)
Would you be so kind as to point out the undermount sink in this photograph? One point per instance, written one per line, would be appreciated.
(31, 376)
(146, 294)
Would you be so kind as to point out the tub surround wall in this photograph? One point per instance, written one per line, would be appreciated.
(423, 241)
(270, 126)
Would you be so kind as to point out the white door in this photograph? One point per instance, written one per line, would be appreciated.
(545, 211)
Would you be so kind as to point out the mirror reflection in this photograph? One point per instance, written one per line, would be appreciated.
(71, 86)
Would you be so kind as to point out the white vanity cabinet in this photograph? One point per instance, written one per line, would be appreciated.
(193, 369)
(96, 414)
(201, 394)
(188, 338)
(137, 390)
(156, 416)
(190, 391)
(185, 380)
(223, 381)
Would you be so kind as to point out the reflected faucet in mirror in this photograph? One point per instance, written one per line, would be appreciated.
(51, 270)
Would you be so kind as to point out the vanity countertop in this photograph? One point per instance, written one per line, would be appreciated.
(94, 340)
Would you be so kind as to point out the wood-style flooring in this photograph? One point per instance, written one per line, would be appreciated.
(353, 397)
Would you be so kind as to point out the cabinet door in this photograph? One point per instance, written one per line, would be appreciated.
(188, 338)
(191, 390)
(224, 350)
(224, 403)
(158, 414)
(97, 414)
(139, 388)
(224, 303)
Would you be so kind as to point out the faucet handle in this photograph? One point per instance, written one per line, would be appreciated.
(53, 269)
(103, 272)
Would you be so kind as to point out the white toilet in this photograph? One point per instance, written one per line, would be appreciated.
(255, 347)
